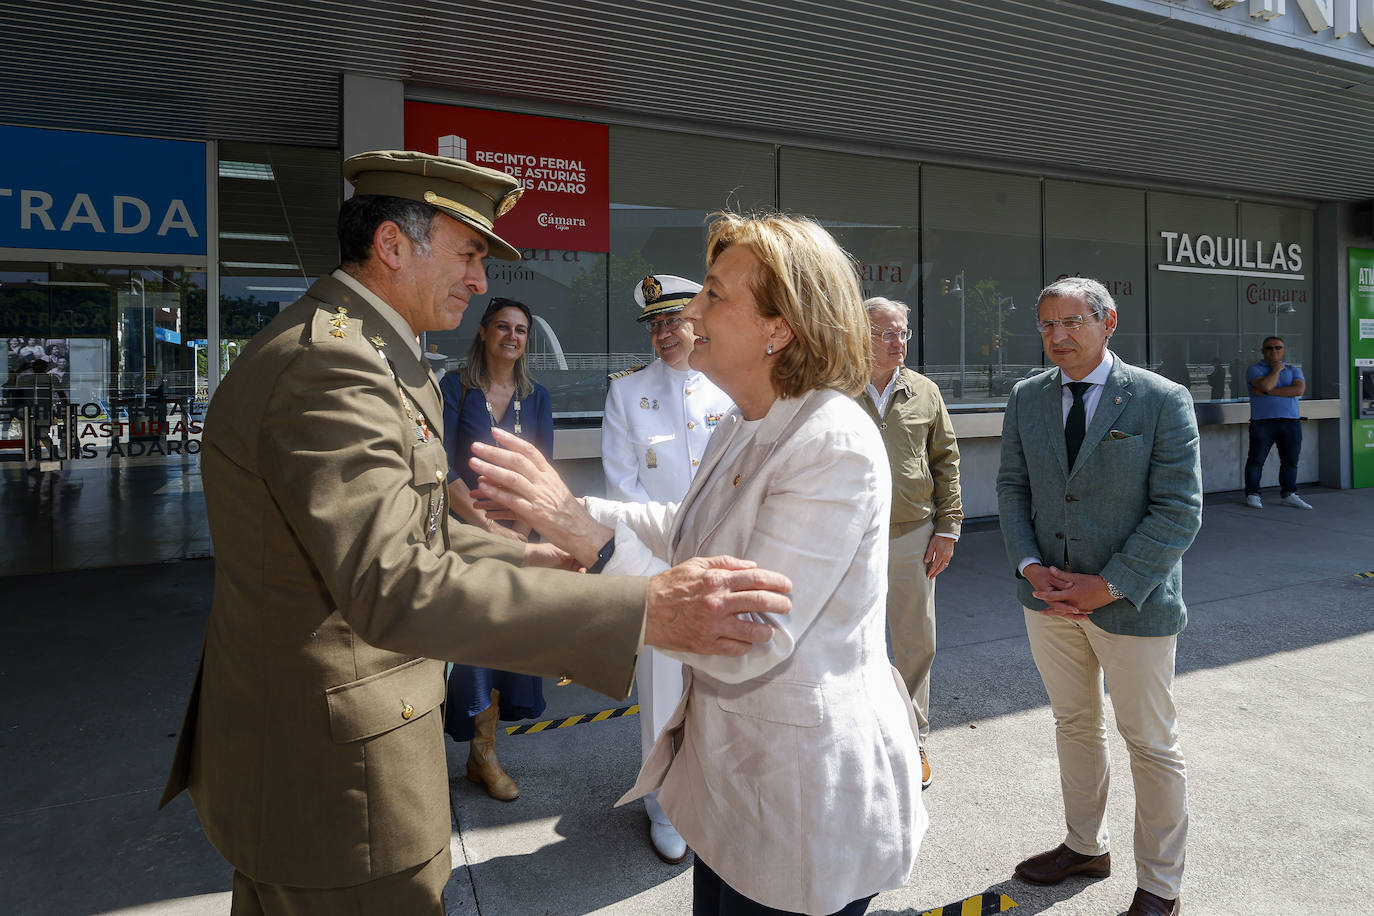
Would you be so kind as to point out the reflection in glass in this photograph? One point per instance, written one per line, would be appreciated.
(982, 271)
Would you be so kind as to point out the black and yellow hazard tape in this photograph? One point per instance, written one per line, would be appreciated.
(1364, 575)
(583, 719)
(977, 905)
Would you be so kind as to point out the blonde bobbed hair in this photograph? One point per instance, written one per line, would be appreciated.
(809, 281)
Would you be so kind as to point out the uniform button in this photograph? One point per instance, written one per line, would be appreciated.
(691, 424)
(407, 711)
(882, 426)
(439, 475)
(695, 462)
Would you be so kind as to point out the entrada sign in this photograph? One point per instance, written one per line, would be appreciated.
(99, 192)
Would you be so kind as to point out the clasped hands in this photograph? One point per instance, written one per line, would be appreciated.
(695, 606)
(1067, 594)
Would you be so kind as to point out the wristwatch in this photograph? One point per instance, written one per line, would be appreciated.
(603, 556)
(1112, 590)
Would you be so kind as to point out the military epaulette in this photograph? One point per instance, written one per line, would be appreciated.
(333, 322)
(624, 372)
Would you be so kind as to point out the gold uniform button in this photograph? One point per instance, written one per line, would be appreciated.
(686, 391)
(439, 475)
(564, 681)
(695, 462)
(407, 711)
(691, 424)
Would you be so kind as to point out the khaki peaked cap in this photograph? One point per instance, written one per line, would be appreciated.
(472, 194)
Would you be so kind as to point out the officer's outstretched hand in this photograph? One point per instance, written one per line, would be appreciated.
(695, 606)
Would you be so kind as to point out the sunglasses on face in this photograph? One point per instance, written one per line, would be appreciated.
(1273, 346)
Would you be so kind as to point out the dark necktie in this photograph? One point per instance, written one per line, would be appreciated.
(1074, 426)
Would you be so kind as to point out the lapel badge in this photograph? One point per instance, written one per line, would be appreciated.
(377, 341)
(712, 419)
(737, 480)
(338, 322)
(644, 403)
(655, 403)
(651, 458)
(1117, 400)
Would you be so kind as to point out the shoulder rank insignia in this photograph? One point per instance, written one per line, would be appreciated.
(338, 322)
(624, 372)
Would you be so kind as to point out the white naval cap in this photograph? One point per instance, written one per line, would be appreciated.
(663, 293)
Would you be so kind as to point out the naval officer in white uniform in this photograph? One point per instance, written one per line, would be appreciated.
(658, 418)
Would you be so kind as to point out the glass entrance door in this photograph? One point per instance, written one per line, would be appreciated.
(104, 377)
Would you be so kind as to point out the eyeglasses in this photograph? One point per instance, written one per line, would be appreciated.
(666, 324)
(890, 335)
(1068, 323)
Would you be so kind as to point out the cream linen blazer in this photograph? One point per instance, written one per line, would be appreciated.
(792, 771)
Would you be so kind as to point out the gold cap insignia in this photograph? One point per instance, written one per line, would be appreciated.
(651, 288)
(504, 205)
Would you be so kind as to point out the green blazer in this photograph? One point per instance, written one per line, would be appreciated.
(1128, 508)
(313, 746)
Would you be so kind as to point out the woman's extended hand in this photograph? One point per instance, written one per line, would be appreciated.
(515, 475)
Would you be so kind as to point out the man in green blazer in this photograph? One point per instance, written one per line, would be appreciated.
(313, 744)
(1096, 521)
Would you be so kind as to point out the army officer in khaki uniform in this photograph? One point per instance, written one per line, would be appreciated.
(312, 746)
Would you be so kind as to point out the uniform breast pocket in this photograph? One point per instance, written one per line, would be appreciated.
(651, 445)
(429, 471)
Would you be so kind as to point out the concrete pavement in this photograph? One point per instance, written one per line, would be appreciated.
(1274, 691)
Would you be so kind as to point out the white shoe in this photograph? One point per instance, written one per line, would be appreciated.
(668, 843)
(1296, 501)
(1253, 501)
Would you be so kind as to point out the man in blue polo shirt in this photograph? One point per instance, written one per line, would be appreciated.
(1275, 387)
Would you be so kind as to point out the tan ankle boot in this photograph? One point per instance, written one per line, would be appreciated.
(483, 767)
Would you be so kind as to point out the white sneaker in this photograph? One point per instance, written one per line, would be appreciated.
(668, 843)
(1253, 501)
(1296, 501)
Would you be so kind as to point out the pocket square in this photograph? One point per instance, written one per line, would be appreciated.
(1118, 434)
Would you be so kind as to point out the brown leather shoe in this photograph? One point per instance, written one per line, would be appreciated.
(925, 770)
(1148, 904)
(1057, 864)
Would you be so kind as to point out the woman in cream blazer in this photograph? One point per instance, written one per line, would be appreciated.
(792, 768)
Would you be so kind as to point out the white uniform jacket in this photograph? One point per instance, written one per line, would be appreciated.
(792, 771)
(658, 421)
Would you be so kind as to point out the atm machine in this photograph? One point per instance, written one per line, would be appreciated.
(1362, 370)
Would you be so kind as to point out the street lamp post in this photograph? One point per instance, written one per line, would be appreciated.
(1001, 344)
(959, 288)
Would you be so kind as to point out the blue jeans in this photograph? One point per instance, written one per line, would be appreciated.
(1264, 434)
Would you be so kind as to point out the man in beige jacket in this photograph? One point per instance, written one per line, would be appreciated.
(313, 747)
(927, 506)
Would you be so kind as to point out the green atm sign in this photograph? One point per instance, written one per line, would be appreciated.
(1362, 357)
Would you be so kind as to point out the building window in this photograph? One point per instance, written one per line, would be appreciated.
(980, 236)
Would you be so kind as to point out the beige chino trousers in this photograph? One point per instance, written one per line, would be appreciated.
(1073, 658)
(911, 617)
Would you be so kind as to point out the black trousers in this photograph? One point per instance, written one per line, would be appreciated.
(713, 897)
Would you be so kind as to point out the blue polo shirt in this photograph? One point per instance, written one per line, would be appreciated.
(1268, 406)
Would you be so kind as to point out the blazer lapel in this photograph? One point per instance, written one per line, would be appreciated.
(1051, 419)
(1116, 394)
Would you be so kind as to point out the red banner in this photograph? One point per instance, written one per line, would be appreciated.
(563, 166)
